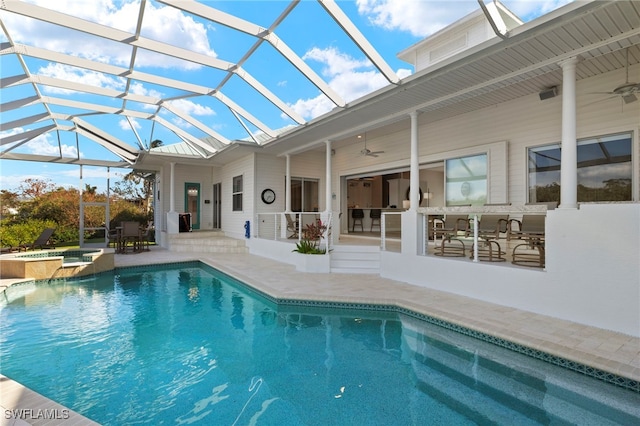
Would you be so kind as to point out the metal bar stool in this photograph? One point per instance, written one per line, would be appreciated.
(357, 215)
(375, 215)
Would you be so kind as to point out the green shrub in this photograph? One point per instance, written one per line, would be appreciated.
(16, 234)
(308, 247)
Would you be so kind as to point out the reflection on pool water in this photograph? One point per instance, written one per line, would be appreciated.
(192, 346)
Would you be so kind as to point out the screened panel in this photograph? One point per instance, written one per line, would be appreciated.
(604, 170)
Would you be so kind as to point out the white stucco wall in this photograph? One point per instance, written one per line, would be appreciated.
(592, 273)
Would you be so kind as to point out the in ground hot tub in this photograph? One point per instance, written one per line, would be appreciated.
(47, 264)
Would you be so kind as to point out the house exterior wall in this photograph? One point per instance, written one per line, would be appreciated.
(505, 131)
(233, 222)
(311, 165)
(183, 174)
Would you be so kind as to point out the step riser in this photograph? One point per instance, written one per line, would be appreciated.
(206, 242)
(355, 259)
(193, 249)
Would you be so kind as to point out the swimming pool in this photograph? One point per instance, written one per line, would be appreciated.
(189, 345)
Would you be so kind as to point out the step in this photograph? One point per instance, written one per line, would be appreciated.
(375, 271)
(464, 380)
(208, 249)
(206, 242)
(351, 259)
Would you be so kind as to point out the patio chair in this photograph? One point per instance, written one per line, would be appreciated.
(489, 229)
(130, 233)
(292, 226)
(451, 229)
(531, 251)
(145, 237)
(43, 241)
(113, 236)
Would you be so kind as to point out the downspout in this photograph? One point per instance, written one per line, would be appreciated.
(491, 21)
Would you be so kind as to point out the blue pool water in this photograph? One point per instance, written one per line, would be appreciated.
(192, 346)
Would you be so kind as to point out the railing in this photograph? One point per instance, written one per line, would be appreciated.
(474, 212)
(283, 226)
(390, 228)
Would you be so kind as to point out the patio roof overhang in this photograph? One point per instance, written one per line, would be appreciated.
(525, 61)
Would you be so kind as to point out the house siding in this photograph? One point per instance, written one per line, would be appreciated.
(233, 222)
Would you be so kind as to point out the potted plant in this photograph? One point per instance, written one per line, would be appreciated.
(310, 245)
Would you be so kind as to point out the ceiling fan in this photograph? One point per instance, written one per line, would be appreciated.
(628, 90)
(367, 152)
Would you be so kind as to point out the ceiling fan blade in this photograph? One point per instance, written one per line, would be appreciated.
(602, 100)
(377, 152)
(629, 98)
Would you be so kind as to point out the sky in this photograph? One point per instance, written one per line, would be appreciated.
(390, 26)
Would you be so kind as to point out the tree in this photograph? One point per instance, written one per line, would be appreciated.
(34, 188)
(138, 185)
(8, 201)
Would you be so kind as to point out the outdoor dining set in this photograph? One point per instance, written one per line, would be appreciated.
(130, 236)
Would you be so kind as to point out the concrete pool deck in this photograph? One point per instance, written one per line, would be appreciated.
(605, 350)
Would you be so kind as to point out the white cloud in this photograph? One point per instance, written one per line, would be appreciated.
(191, 108)
(419, 18)
(162, 23)
(77, 75)
(349, 77)
(336, 62)
(124, 124)
(422, 18)
(44, 145)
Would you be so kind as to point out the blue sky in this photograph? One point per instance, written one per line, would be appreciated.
(390, 26)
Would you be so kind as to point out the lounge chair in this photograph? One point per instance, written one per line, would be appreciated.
(531, 251)
(292, 226)
(489, 229)
(43, 241)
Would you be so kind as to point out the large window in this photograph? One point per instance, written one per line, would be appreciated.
(604, 170)
(466, 180)
(237, 193)
(304, 195)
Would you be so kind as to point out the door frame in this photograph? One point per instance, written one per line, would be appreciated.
(195, 221)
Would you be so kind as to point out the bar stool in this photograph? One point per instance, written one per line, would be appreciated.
(357, 215)
(375, 215)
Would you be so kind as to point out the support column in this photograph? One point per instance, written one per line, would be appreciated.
(173, 219)
(569, 152)
(172, 189)
(414, 181)
(287, 197)
(328, 199)
(411, 224)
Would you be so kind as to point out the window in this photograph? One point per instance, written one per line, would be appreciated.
(466, 180)
(304, 195)
(604, 170)
(237, 193)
